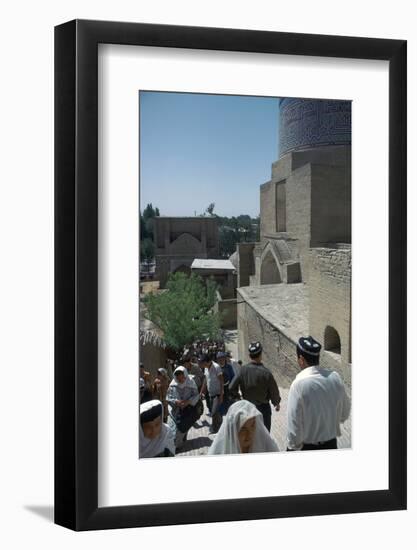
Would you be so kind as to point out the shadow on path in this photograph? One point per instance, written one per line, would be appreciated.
(195, 444)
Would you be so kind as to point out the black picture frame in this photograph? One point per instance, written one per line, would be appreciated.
(76, 271)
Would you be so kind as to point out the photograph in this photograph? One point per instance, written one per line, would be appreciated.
(245, 274)
(208, 239)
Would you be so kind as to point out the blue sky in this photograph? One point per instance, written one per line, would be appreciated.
(196, 149)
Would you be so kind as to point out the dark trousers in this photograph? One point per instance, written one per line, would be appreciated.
(186, 418)
(216, 417)
(265, 409)
(331, 444)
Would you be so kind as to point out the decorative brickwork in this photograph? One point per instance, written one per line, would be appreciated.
(307, 123)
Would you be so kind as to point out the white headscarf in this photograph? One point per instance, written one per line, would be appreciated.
(227, 441)
(149, 448)
(187, 379)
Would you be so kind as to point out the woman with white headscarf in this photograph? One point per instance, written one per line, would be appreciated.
(242, 431)
(182, 398)
(155, 438)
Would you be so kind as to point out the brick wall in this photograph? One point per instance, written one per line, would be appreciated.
(330, 204)
(245, 263)
(279, 353)
(329, 290)
(228, 311)
(268, 208)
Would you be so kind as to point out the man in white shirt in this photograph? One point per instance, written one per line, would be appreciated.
(213, 388)
(317, 402)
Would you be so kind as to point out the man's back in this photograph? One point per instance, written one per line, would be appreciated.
(317, 405)
(257, 384)
(212, 378)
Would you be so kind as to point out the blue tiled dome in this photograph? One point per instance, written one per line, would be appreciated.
(307, 123)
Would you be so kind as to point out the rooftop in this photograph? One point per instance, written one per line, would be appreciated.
(283, 305)
(185, 218)
(202, 263)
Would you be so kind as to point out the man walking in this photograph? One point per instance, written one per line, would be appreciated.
(193, 370)
(257, 384)
(228, 375)
(213, 388)
(317, 402)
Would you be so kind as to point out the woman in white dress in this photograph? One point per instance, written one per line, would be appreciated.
(242, 431)
(155, 438)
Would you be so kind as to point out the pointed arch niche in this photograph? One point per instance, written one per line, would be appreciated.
(270, 273)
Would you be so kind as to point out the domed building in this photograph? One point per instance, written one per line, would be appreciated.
(297, 279)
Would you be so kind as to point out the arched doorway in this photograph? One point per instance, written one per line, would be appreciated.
(269, 270)
(332, 340)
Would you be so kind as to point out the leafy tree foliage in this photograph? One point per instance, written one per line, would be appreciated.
(210, 209)
(235, 230)
(147, 250)
(149, 212)
(183, 311)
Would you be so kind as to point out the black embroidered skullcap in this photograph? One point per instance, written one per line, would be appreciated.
(255, 349)
(150, 410)
(307, 344)
(204, 358)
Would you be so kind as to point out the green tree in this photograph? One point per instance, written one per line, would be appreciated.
(210, 209)
(149, 228)
(143, 232)
(235, 230)
(147, 250)
(228, 238)
(184, 311)
(146, 221)
(148, 211)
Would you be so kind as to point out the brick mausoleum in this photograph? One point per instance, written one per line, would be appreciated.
(297, 280)
(180, 240)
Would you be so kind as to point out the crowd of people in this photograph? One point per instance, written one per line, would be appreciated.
(239, 399)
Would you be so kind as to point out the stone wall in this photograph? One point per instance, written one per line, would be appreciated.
(279, 353)
(228, 312)
(330, 204)
(245, 263)
(330, 296)
(268, 208)
(203, 228)
(299, 212)
(317, 198)
(153, 357)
